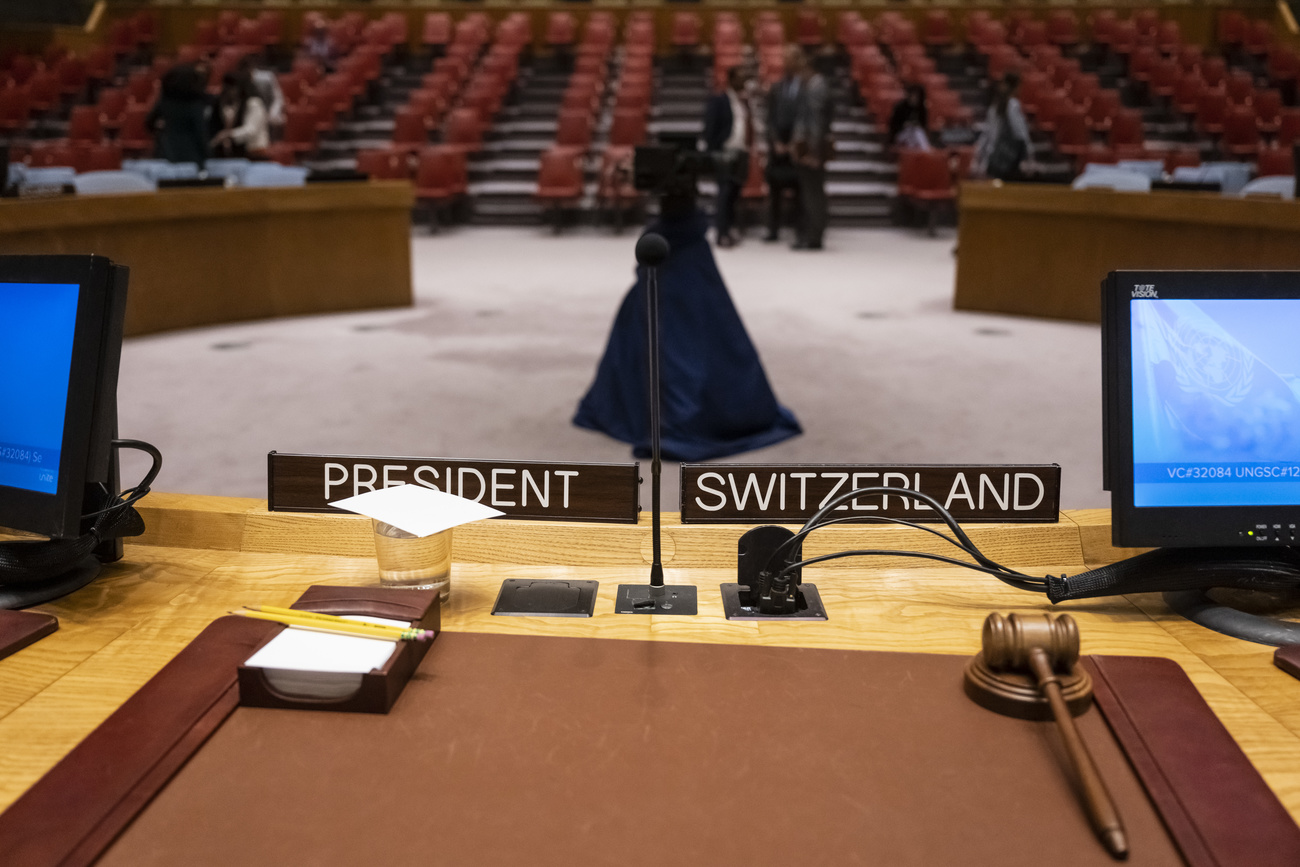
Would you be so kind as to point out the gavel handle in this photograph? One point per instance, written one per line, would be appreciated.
(1097, 801)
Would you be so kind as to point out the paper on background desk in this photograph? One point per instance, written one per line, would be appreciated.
(416, 509)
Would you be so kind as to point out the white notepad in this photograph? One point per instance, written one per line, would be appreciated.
(322, 665)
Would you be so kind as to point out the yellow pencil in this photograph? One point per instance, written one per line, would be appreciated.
(316, 615)
(348, 627)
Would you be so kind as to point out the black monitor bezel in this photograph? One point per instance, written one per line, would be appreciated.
(1182, 526)
(91, 401)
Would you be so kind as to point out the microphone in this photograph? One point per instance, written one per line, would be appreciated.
(652, 250)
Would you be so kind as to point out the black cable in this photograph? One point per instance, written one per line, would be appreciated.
(883, 519)
(131, 496)
(1018, 583)
(986, 564)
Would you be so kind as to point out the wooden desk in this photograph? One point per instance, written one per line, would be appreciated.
(205, 555)
(204, 256)
(1041, 250)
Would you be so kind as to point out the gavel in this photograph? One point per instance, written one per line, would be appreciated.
(1048, 647)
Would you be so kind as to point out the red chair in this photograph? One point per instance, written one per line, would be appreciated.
(1127, 137)
(464, 130)
(1063, 28)
(22, 68)
(1274, 161)
(141, 87)
(1268, 107)
(1050, 108)
(1240, 132)
(1187, 92)
(72, 76)
(145, 26)
(1164, 78)
(1240, 87)
(1084, 88)
(1214, 70)
(101, 65)
(1211, 109)
(614, 190)
(112, 106)
(1190, 58)
(1283, 65)
(441, 181)
(1102, 109)
(1231, 30)
(437, 30)
(1123, 38)
(135, 136)
(1071, 135)
(925, 180)
(1147, 22)
(573, 130)
(300, 128)
(384, 164)
(686, 31)
(99, 157)
(937, 28)
(1259, 37)
(628, 127)
(410, 130)
(52, 153)
(1169, 37)
(281, 152)
(1288, 127)
(809, 28)
(561, 30)
(1180, 158)
(1140, 63)
(84, 125)
(15, 109)
(559, 182)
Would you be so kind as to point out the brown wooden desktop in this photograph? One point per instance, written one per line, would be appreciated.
(205, 555)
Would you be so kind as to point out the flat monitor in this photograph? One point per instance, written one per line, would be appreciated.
(61, 321)
(1201, 381)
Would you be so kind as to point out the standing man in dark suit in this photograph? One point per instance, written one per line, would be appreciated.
(729, 137)
(782, 102)
(811, 146)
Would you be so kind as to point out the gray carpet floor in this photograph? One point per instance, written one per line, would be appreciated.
(860, 341)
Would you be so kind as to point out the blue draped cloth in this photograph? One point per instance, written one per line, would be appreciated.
(716, 400)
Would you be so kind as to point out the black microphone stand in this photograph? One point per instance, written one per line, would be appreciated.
(656, 597)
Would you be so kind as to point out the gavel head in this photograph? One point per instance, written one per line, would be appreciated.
(1009, 640)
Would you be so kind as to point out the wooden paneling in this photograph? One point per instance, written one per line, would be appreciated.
(205, 256)
(1044, 250)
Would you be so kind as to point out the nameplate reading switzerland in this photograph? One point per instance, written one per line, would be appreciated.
(521, 489)
(793, 493)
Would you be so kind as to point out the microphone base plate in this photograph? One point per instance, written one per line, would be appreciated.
(644, 599)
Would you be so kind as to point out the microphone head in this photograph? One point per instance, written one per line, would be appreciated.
(651, 249)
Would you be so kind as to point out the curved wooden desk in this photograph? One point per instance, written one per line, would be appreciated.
(1041, 250)
(204, 555)
(205, 256)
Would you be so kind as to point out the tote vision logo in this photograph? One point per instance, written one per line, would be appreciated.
(1144, 290)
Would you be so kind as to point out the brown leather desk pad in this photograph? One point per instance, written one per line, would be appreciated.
(510, 749)
(19, 629)
(519, 749)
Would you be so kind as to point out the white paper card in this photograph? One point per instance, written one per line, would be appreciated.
(416, 509)
(301, 650)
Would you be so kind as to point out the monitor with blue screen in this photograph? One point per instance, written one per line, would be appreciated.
(61, 323)
(1202, 401)
(36, 331)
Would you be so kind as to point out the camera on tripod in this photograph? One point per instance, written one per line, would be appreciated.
(671, 167)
